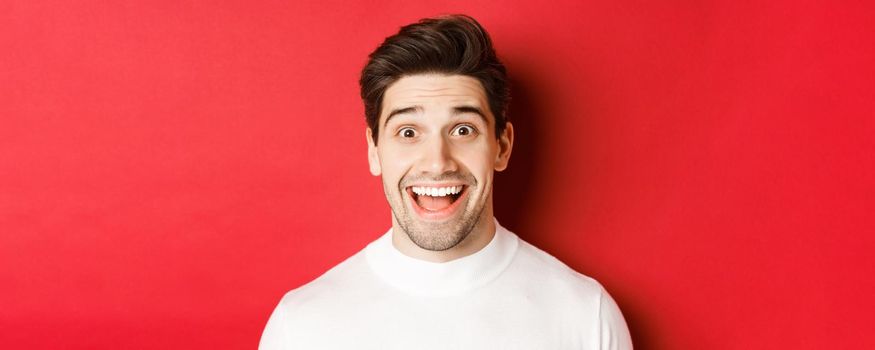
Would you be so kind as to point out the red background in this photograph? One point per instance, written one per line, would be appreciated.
(168, 170)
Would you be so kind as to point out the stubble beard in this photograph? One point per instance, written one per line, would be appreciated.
(439, 236)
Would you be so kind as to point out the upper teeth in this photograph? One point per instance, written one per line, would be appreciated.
(436, 191)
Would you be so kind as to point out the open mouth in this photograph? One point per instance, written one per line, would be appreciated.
(436, 202)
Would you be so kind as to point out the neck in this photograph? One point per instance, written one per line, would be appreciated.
(479, 237)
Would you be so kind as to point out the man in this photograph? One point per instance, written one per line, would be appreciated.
(446, 275)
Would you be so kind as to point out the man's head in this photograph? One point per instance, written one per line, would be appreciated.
(435, 95)
(451, 45)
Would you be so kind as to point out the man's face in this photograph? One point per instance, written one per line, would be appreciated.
(437, 153)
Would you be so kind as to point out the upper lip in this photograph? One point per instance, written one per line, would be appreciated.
(437, 185)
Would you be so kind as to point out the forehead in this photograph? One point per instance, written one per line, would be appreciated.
(434, 92)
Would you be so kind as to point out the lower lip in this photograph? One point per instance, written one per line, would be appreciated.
(440, 214)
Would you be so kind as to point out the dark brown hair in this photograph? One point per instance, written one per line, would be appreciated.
(454, 44)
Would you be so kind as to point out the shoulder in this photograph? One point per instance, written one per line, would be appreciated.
(563, 299)
(578, 301)
(306, 312)
(336, 284)
(546, 272)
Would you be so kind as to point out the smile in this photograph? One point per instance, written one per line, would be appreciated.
(436, 202)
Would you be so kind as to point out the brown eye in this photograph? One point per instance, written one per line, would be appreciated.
(463, 130)
(407, 133)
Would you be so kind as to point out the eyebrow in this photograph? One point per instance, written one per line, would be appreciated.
(456, 111)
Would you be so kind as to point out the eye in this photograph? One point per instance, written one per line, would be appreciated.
(407, 133)
(464, 130)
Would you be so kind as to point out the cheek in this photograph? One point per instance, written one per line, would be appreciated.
(394, 163)
(480, 163)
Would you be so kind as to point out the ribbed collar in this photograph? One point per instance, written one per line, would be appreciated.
(425, 278)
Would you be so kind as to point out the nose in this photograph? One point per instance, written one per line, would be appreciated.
(437, 156)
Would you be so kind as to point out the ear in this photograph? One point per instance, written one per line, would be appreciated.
(505, 146)
(373, 157)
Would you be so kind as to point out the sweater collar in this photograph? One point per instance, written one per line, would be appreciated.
(425, 278)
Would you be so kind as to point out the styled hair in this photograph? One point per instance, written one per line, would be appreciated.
(452, 45)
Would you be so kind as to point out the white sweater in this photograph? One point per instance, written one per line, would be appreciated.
(508, 295)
